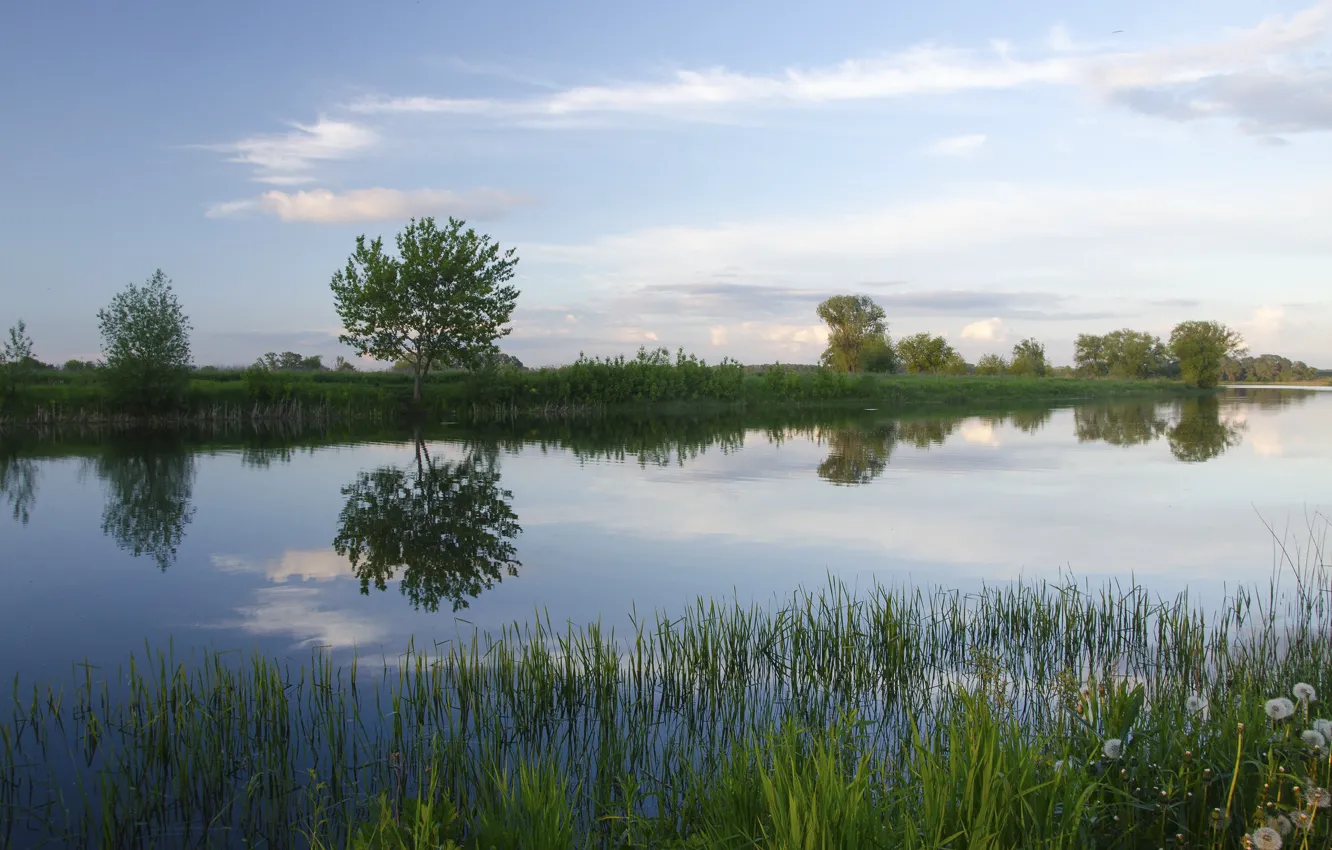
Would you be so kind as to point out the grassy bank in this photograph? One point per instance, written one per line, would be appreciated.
(1022, 716)
(587, 386)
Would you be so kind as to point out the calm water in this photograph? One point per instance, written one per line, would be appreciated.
(288, 541)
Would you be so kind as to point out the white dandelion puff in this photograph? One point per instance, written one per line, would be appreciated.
(1301, 819)
(1279, 708)
(1266, 838)
(1323, 727)
(1196, 705)
(1304, 692)
(1113, 748)
(1320, 797)
(1281, 824)
(1313, 739)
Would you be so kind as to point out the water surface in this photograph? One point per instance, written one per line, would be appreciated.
(287, 541)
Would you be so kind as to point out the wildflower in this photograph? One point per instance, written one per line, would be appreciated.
(1301, 819)
(1281, 824)
(1323, 726)
(1320, 797)
(1313, 739)
(1113, 748)
(1266, 838)
(1279, 708)
(1304, 692)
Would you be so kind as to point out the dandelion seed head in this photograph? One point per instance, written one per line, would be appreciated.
(1304, 692)
(1279, 708)
(1266, 838)
(1320, 797)
(1313, 739)
(1281, 824)
(1113, 748)
(1324, 727)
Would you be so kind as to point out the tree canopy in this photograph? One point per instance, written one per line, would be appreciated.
(1123, 353)
(146, 341)
(444, 298)
(1029, 359)
(1201, 348)
(924, 353)
(857, 335)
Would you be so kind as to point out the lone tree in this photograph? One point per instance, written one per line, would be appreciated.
(1201, 348)
(857, 335)
(16, 359)
(146, 340)
(444, 298)
(1029, 359)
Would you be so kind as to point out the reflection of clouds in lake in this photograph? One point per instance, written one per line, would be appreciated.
(978, 432)
(303, 564)
(299, 613)
(1266, 442)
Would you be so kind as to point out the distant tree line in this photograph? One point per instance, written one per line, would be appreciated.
(1200, 353)
(1267, 368)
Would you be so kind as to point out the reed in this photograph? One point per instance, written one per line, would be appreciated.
(1022, 715)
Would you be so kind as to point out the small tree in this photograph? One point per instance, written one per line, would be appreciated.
(16, 360)
(342, 364)
(1201, 348)
(991, 364)
(1029, 359)
(146, 341)
(444, 298)
(856, 328)
(925, 354)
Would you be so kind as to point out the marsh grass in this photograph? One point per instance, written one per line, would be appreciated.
(1024, 715)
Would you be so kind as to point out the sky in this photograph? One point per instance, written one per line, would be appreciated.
(693, 174)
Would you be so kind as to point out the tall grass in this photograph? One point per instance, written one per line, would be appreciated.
(1024, 715)
(588, 386)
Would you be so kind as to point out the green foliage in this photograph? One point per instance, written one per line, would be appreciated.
(444, 298)
(991, 364)
(1028, 359)
(145, 340)
(342, 364)
(1124, 354)
(290, 361)
(421, 824)
(1201, 348)
(857, 334)
(1267, 369)
(16, 361)
(529, 811)
(929, 355)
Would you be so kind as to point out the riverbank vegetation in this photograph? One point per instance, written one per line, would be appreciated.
(1023, 716)
(438, 307)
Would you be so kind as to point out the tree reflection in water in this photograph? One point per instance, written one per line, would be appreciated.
(149, 480)
(18, 483)
(857, 455)
(1200, 434)
(447, 525)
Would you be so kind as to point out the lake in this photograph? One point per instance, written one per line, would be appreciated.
(361, 541)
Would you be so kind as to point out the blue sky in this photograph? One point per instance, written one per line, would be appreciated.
(689, 174)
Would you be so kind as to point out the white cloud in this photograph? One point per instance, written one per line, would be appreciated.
(285, 159)
(1228, 76)
(719, 335)
(986, 330)
(1267, 321)
(1151, 221)
(958, 146)
(326, 206)
(305, 564)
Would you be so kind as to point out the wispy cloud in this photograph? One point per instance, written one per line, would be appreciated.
(958, 146)
(327, 207)
(287, 159)
(1238, 76)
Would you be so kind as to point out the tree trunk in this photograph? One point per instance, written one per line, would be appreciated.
(416, 386)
